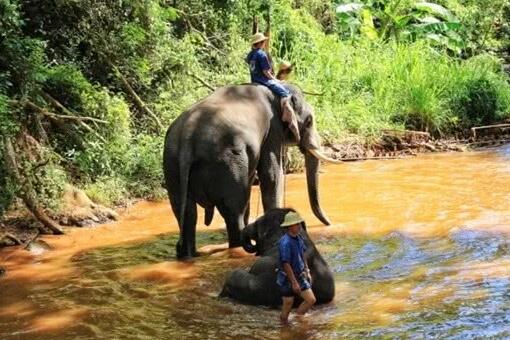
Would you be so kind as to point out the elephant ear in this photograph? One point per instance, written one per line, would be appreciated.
(296, 100)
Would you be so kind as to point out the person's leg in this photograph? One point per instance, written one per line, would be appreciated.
(288, 114)
(308, 301)
(286, 308)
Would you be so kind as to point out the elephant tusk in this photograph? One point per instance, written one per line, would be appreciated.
(320, 156)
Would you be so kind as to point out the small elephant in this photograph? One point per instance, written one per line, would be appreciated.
(213, 150)
(258, 286)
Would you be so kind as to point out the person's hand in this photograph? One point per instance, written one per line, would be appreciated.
(296, 288)
(309, 276)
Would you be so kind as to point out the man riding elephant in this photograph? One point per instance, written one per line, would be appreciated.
(261, 72)
(259, 286)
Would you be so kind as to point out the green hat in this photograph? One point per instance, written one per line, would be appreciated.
(291, 218)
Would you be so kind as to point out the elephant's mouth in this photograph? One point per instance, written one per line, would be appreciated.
(247, 242)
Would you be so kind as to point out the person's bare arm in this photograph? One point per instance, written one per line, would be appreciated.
(290, 274)
(269, 75)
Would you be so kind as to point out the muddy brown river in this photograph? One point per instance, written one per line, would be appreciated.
(419, 248)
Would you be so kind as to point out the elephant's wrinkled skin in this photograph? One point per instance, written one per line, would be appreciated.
(213, 149)
(258, 286)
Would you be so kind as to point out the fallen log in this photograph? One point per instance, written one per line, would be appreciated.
(13, 238)
(475, 128)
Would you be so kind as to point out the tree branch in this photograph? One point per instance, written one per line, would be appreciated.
(52, 115)
(200, 80)
(138, 101)
(13, 238)
(45, 112)
(69, 114)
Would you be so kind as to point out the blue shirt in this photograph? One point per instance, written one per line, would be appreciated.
(259, 62)
(292, 251)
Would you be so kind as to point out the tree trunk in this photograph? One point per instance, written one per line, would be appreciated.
(27, 193)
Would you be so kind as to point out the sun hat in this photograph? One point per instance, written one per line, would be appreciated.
(284, 66)
(258, 37)
(291, 218)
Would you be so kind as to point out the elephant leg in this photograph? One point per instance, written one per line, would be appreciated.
(186, 246)
(233, 209)
(252, 289)
(234, 218)
(247, 209)
(270, 172)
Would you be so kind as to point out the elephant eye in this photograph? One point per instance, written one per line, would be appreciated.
(309, 121)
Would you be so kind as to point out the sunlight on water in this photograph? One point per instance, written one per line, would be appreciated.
(419, 248)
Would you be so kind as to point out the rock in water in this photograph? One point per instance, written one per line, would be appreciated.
(38, 247)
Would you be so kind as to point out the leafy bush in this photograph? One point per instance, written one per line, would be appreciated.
(144, 168)
(49, 182)
(107, 191)
(7, 188)
(481, 94)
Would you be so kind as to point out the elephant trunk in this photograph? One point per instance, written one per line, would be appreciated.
(312, 179)
(247, 235)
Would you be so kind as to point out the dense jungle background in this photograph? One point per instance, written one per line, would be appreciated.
(88, 88)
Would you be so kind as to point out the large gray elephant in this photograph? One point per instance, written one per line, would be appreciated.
(258, 286)
(213, 150)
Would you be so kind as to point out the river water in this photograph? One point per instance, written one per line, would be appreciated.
(419, 248)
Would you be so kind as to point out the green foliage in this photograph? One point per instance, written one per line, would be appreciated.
(7, 187)
(106, 156)
(69, 86)
(8, 124)
(481, 93)
(480, 104)
(463, 27)
(7, 127)
(401, 20)
(482, 22)
(107, 191)
(144, 168)
(49, 182)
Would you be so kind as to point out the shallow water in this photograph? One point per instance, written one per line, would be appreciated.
(419, 248)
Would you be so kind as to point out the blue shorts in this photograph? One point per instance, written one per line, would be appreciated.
(286, 287)
(277, 88)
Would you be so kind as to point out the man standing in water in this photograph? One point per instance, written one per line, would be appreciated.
(261, 72)
(293, 274)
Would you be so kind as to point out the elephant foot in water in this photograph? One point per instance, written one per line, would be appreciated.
(185, 252)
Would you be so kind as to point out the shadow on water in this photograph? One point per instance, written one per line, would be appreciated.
(437, 267)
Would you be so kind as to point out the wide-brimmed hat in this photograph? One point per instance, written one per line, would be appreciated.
(291, 218)
(258, 37)
(284, 66)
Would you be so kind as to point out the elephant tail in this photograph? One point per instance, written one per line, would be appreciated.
(184, 169)
(209, 213)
